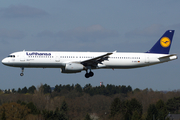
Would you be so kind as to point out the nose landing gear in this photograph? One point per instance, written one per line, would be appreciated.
(21, 74)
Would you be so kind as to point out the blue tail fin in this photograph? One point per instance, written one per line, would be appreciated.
(163, 45)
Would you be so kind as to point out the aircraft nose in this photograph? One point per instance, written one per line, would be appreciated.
(4, 61)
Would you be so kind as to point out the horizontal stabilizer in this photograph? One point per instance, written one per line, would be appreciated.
(167, 56)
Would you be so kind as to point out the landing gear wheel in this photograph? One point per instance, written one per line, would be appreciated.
(87, 75)
(91, 74)
(21, 74)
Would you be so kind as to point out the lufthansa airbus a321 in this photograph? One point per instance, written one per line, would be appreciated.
(74, 62)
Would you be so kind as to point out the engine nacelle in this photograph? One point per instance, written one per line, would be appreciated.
(72, 68)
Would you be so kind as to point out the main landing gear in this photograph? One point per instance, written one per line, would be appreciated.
(90, 74)
(21, 74)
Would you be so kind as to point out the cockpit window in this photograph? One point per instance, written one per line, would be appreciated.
(11, 56)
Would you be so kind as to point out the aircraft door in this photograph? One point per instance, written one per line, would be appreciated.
(22, 56)
(146, 58)
(57, 59)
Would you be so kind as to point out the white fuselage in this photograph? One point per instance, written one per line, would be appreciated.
(74, 62)
(117, 60)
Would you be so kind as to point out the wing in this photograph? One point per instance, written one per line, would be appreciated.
(94, 61)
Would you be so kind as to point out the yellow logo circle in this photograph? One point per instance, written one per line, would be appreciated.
(165, 42)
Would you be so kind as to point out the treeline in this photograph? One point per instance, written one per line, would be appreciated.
(133, 109)
(98, 90)
(73, 102)
(22, 110)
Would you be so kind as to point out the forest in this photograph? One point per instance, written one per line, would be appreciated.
(74, 102)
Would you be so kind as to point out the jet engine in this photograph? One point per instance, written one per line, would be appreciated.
(72, 68)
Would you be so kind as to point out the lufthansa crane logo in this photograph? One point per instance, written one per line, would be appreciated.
(165, 42)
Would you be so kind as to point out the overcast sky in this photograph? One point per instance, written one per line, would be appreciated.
(89, 25)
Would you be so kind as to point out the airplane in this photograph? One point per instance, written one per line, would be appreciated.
(75, 62)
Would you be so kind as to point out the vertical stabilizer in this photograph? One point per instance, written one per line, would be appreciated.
(163, 45)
